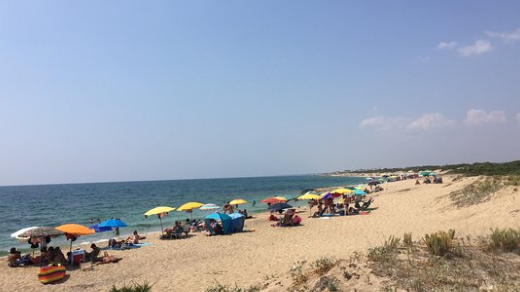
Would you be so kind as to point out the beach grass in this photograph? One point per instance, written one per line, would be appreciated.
(432, 266)
(133, 287)
(227, 288)
(503, 240)
(478, 192)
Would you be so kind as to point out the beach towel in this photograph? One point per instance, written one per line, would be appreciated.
(127, 246)
(50, 274)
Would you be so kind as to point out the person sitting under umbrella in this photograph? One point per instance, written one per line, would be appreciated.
(58, 257)
(15, 258)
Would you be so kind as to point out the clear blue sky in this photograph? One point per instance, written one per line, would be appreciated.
(146, 90)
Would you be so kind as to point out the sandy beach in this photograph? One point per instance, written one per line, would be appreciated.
(262, 251)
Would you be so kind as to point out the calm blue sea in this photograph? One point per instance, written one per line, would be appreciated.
(53, 205)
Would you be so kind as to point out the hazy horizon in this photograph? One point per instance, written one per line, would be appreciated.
(135, 91)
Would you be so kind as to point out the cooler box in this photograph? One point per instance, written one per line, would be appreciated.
(78, 256)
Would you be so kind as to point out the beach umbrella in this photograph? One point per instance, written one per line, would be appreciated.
(359, 193)
(113, 223)
(281, 198)
(161, 212)
(190, 206)
(309, 196)
(342, 191)
(279, 206)
(99, 229)
(326, 195)
(38, 232)
(272, 200)
(35, 234)
(207, 207)
(373, 183)
(75, 229)
(158, 210)
(72, 231)
(16, 235)
(307, 191)
(238, 202)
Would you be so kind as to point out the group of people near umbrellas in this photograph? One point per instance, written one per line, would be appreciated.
(350, 202)
(41, 237)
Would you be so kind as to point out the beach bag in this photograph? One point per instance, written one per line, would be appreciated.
(50, 274)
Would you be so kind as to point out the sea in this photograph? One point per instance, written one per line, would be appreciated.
(54, 205)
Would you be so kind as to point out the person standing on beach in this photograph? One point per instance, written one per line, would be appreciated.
(345, 204)
(228, 208)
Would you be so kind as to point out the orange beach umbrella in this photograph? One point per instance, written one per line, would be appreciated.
(272, 200)
(74, 230)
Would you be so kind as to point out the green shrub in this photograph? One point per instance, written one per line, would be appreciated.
(441, 243)
(224, 288)
(323, 265)
(385, 252)
(507, 240)
(477, 192)
(134, 287)
(407, 239)
(297, 273)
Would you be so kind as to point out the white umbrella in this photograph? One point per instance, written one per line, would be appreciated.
(16, 235)
(208, 207)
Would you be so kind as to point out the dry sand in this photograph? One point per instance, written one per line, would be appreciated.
(198, 262)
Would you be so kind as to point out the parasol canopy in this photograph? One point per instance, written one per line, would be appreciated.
(190, 206)
(279, 206)
(209, 206)
(158, 210)
(272, 200)
(342, 191)
(238, 202)
(113, 223)
(309, 196)
(75, 229)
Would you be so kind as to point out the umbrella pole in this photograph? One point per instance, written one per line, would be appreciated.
(161, 226)
(71, 257)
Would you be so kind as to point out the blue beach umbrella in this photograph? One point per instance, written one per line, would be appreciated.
(98, 229)
(113, 223)
(359, 192)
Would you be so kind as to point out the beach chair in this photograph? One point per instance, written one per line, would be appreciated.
(177, 233)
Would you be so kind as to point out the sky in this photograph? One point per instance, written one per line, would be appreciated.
(100, 91)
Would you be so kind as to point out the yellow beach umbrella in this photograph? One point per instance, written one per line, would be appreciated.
(309, 196)
(342, 191)
(159, 211)
(238, 202)
(190, 206)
